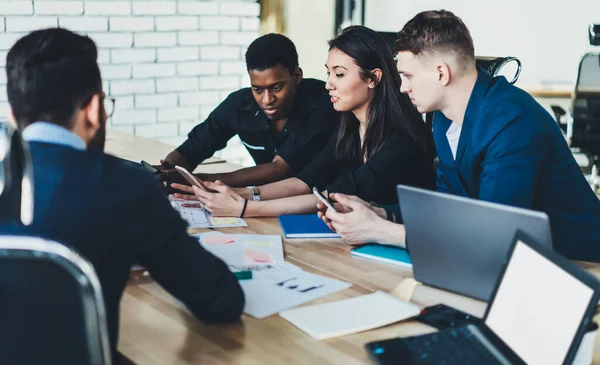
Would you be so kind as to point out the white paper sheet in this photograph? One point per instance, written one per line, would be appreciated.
(201, 218)
(243, 249)
(346, 316)
(285, 286)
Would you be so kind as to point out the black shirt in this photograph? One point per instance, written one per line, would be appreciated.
(400, 161)
(307, 130)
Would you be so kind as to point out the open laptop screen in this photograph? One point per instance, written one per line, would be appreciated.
(538, 307)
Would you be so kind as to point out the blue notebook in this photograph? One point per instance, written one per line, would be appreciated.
(390, 254)
(305, 226)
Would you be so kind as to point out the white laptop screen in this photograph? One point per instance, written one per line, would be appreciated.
(538, 307)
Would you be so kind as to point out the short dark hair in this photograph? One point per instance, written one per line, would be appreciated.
(436, 31)
(271, 50)
(50, 73)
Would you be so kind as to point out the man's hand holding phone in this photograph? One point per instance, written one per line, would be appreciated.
(328, 203)
(192, 180)
(324, 205)
(351, 217)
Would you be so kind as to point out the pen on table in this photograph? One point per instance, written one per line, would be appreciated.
(243, 275)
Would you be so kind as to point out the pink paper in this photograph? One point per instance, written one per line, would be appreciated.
(218, 239)
(258, 256)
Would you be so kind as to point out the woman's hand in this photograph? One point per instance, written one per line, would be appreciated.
(189, 193)
(223, 202)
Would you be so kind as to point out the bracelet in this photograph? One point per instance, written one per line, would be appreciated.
(244, 208)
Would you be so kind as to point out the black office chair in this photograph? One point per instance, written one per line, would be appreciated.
(499, 66)
(581, 125)
(51, 305)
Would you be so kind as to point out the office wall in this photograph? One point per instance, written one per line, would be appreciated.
(548, 37)
(167, 62)
(310, 23)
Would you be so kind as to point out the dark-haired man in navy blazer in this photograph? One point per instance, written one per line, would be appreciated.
(106, 210)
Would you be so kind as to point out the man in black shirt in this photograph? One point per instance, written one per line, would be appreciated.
(283, 120)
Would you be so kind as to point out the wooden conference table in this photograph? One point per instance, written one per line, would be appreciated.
(156, 329)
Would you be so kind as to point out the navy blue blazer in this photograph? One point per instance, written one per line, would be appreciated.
(116, 216)
(511, 151)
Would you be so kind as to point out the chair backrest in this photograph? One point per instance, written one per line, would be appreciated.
(498, 66)
(16, 177)
(585, 108)
(51, 305)
(594, 34)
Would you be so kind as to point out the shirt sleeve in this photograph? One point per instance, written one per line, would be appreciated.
(398, 162)
(211, 135)
(323, 169)
(179, 263)
(309, 138)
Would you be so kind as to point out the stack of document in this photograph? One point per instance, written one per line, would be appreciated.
(276, 285)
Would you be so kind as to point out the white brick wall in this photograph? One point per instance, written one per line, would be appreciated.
(84, 24)
(168, 63)
(56, 7)
(16, 7)
(130, 23)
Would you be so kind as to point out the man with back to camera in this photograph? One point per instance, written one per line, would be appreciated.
(283, 120)
(83, 199)
(494, 141)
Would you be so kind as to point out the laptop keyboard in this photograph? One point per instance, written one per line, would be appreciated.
(449, 347)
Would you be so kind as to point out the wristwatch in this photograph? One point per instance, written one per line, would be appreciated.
(255, 193)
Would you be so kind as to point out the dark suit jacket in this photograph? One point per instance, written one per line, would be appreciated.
(116, 216)
(511, 151)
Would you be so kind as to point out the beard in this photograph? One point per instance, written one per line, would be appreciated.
(99, 139)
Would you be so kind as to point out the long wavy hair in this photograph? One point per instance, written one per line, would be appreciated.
(390, 111)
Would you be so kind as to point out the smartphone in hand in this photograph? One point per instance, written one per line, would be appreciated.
(193, 180)
(328, 203)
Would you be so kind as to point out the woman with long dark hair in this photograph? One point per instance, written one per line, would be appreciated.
(382, 140)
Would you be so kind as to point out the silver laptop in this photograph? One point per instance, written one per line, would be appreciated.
(459, 244)
(541, 307)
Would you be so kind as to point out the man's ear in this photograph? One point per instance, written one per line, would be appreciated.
(11, 118)
(92, 113)
(443, 73)
(298, 74)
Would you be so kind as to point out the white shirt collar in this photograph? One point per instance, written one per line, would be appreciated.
(52, 133)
